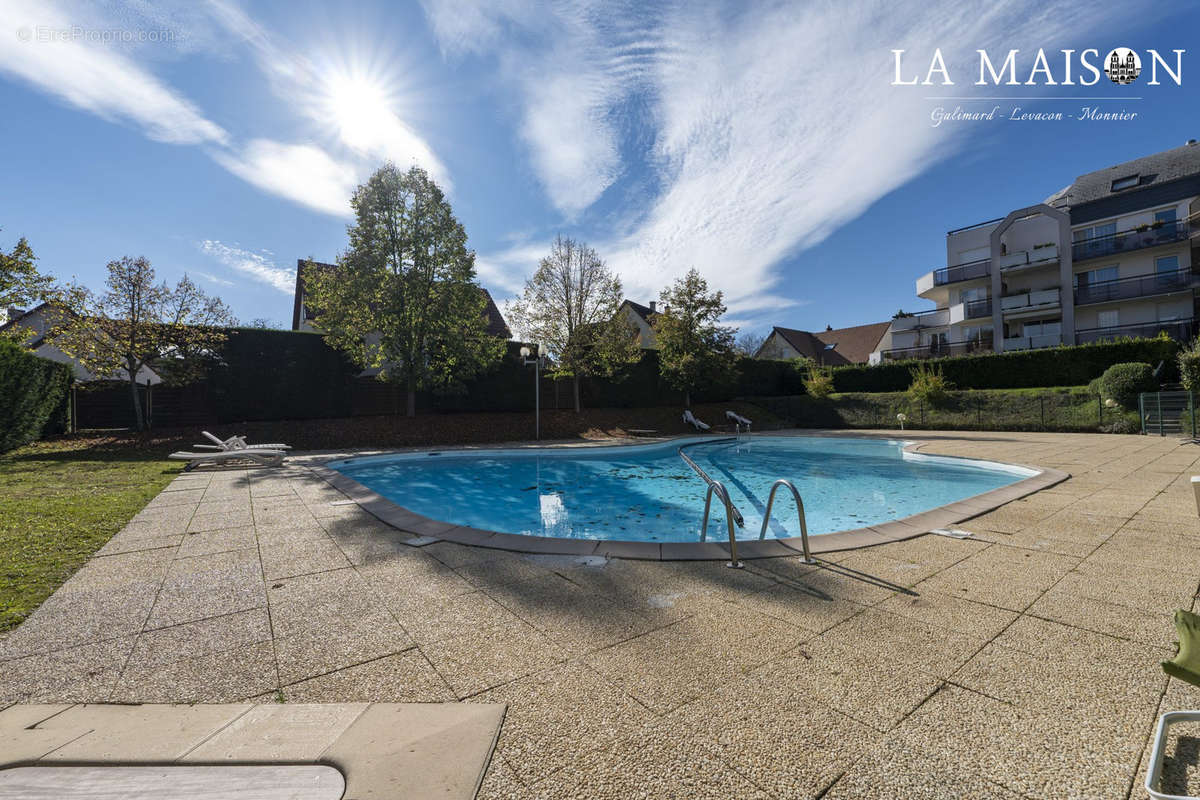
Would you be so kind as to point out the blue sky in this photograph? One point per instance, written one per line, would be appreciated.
(761, 143)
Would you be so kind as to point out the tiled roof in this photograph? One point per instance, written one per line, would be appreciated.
(1152, 170)
(642, 311)
(852, 345)
(496, 324)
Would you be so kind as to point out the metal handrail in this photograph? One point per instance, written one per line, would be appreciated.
(808, 559)
(719, 488)
(737, 515)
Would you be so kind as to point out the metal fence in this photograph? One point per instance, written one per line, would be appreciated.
(1168, 413)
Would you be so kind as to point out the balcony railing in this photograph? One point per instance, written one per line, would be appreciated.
(1139, 286)
(1124, 241)
(1033, 342)
(926, 319)
(962, 272)
(974, 309)
(937, 350)
(1179, 329)
(1027, 301)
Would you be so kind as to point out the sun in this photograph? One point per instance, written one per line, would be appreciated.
(360, 108)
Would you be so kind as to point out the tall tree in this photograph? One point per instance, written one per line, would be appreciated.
(569, 307)
(403, 298)
(21, 284)
(694, 350)
(138, 322)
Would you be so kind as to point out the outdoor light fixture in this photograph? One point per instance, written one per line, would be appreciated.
(536, 362)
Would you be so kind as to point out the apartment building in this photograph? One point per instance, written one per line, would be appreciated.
(1109, 256)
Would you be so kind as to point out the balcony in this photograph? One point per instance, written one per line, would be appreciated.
(1030, 301)
(962, 272)
(1037, 257)
(928, 319)
(1124, 241)
(937, 350)
(1180, 329)
(1033, 342)
(1139, 286)
(975, 309)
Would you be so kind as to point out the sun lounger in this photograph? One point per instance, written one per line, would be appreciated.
(267, 458)
(690, 419)
(237, 443)
(736, 418)
(1186, 667)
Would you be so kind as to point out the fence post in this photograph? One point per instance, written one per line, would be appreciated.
(979, 411)
(1192, 411)
(922, 413)
(1100, 410)
(1158, 399)
(1042, 404)
(1142, 411)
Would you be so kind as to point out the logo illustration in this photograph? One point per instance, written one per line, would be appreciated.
(1122, 66)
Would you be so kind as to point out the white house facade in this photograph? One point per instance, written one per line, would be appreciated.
(1109, 256)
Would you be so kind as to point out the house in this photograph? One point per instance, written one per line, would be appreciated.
(37, 322)
(1112, 255)
(302, 315)
(830, 347)
(641, 318)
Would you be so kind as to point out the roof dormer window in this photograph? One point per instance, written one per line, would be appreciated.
(1125, 183)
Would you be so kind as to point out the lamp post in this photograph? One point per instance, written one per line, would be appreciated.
(536, 361)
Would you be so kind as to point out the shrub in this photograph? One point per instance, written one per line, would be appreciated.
(1124, 382)
(1021, 369)
(33, 394)
(819, 382)
(1189, 366)
(929, 385)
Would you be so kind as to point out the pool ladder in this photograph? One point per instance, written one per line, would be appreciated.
(718, 488)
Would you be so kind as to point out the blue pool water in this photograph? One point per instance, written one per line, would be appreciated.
(648, 493)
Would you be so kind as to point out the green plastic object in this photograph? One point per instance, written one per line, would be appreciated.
(1186, 664)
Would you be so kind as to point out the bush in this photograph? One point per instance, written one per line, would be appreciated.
(1124, 382)
(1189, 366)
(33, 395)
(929, 385)
(1021, 369)
(819, 382)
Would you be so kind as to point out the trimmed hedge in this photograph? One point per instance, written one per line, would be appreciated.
(1124, 382)
(33, 395)
(992, 409)
(1056, 366)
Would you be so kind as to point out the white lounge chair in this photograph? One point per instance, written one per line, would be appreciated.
(237, 443)
(266, 458)
(737, 418)
(690, 419)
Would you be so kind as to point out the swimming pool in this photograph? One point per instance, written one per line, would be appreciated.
(647, 493)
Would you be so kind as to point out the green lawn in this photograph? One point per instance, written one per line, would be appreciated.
(60, 501)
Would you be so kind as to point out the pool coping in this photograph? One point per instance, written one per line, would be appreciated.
(897, 530)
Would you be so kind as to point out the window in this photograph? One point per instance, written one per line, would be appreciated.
(973, 294)
(1124, 183)
(1042, 327)
(1166, 215)
(981, 333)
(1107, 319)
(1169, 311)
(1166, 264)
(831, 346)
(1093, 276)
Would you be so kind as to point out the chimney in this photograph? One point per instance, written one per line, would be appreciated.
(828, 327)
(651, 306)
(1191, 141)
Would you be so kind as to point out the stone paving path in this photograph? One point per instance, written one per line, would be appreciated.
(1020, 663)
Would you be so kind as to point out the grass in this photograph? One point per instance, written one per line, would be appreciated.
(60, 501)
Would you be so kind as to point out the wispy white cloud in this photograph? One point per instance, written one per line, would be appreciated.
(210, 278)
(763, 128)
(256, 265)
(39, 45)
(302, 173)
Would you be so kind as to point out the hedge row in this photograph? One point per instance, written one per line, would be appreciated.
(33, 395)
(1056, 366)
(992, 410)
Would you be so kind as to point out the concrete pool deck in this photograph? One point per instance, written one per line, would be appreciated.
(1022, 662)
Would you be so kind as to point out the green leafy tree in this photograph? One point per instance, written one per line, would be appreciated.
(21, 284)
(694, 350)
(403, 298)
(139, 322)
(570, 308)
